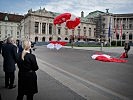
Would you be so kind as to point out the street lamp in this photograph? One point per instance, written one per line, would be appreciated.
(20, 28)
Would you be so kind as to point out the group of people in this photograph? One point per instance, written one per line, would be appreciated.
(27, 65)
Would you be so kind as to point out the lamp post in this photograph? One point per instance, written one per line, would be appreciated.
(20, 28)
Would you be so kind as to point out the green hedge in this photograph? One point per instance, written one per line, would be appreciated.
(113, 43)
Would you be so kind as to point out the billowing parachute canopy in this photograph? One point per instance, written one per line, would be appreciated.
(68, 19)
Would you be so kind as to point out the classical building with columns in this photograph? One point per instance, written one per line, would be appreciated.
(121, 26)
(96, 26)
(38, 26)
(10, 26)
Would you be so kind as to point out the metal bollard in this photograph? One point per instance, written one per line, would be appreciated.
(101, 46)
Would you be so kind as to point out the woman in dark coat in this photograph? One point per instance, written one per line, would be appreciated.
(27, 78)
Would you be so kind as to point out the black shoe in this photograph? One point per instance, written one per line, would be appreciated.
(12, 86)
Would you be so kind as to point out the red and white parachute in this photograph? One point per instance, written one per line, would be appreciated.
(56, 44)
(107, 58)
(68, 19)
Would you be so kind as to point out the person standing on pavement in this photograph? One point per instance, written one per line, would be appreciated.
(1, 42)
(126, 48)
(9, 53)
(19, 45)
(27, 78)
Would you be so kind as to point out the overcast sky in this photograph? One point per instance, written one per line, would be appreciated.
(73, 6)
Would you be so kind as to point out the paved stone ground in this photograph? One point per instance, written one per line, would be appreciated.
(49, 88)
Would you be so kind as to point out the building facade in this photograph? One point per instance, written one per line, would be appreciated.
(121, 26)
(10, 26)
(38, 26)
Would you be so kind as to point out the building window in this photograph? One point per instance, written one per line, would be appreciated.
(130, 36)
(123, 36)
(124, 27)
(66, 38)
(50, 38)
(5, 36)
(58, 39)
(36, 39)
(103, 25)
(43, 39)
(84, 32)
(43, 28)
(36, 27)
(50, 29)
(103, 19)
(17, 33)
(130, 26)
(89, 31)
(6, 18)
(117, 36)
(59, 31)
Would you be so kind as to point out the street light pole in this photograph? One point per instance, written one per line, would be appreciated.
(20, 28)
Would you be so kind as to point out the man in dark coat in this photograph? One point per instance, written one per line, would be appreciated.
(0, 46)
(9, 53)
(126, 48)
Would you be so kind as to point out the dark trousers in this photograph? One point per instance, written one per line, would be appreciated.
(126, 51)
(9, 78)
(0, 97)
(21, 95)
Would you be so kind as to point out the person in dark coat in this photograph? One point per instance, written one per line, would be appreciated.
(1, 42)
(9, 53)
(126, 48)
(27, 78)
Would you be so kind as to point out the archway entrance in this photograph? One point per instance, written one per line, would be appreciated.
(36, 39)
(43, 39)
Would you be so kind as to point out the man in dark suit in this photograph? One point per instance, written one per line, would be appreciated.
(9, 53)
